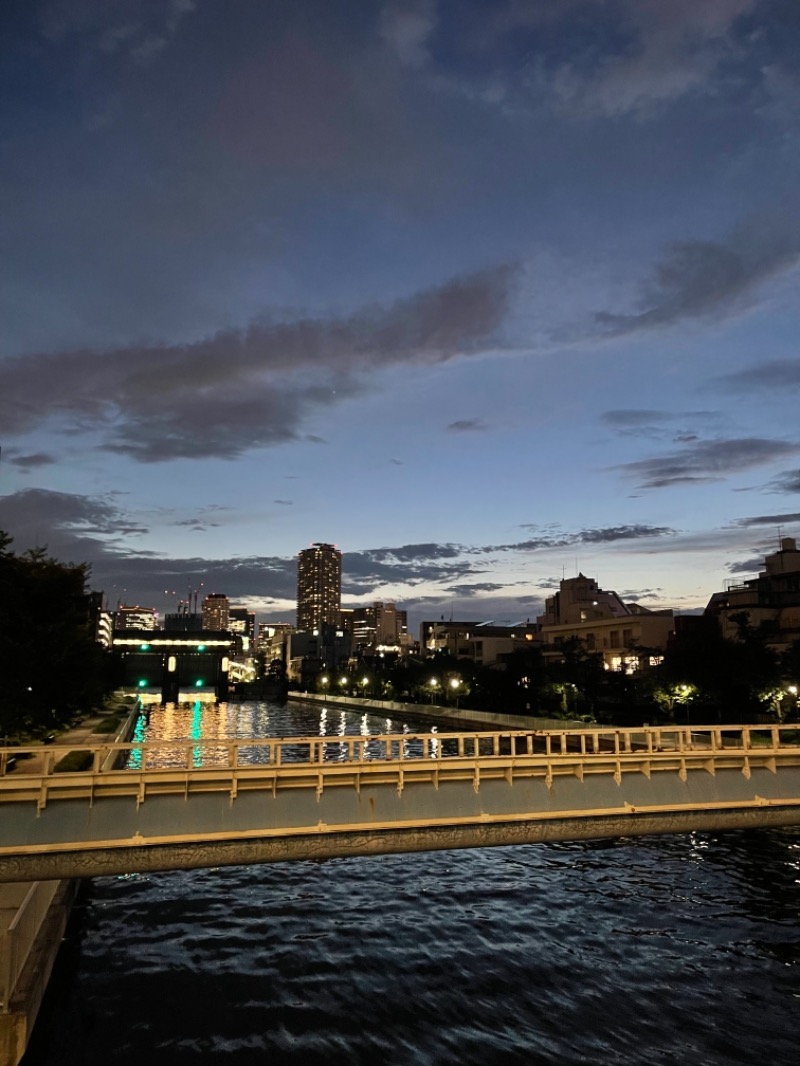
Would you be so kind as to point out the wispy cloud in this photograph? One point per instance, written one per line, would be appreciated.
(657, 425)
(250, 388)
(768, 520)
(643, 55)
(707, 461)
(32, 461)
(777, 374)
(562, 539)
(664, 52)
(406, 26)
(130, 28)
(410, 564)
(468, 425)
(789, 482)
(698, 278)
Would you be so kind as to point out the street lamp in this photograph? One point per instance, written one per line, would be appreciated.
(455, 682)
(364, 683)
(434, 685)
(324, 682)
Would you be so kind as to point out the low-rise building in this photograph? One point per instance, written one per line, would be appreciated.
(769, 602)
(483, 643)
(627, 635)
(272, 640)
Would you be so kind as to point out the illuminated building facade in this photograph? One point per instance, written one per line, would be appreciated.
(127, 617)
(379, 627)
(242, 621)
(319, 587)
(216, 611)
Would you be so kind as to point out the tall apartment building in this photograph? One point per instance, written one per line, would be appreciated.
(319, 587)
(216, 611)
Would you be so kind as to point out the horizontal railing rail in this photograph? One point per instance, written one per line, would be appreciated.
(200, 765)
(432, 744)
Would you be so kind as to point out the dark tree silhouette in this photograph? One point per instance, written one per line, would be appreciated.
(52, 665)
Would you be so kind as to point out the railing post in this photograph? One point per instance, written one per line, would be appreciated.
(6, 968)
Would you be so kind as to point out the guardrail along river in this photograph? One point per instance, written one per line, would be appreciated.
(658, 950)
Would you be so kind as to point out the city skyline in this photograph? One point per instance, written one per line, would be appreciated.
(486, 294)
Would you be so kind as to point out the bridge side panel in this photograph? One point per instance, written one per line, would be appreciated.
(117, 821)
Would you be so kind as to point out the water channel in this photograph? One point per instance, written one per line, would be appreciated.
(662, 950)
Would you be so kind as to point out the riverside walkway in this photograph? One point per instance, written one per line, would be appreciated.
(142, 807)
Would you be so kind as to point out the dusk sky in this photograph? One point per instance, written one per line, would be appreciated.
(485, 292)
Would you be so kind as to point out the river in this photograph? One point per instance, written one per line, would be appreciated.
(681, 949)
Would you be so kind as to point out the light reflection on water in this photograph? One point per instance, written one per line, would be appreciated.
(661, 950)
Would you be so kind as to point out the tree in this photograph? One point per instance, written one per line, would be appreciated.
(717, 679)
(52, 664)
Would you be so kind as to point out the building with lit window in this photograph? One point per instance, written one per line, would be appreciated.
(127, 617)
(216, 611)
(378, 627)
(319, 587)
(481, 642)
(622, 633)
(243, 622)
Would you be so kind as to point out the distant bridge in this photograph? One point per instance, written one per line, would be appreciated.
(211, 803)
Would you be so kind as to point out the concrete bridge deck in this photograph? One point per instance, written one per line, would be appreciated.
(208, 803)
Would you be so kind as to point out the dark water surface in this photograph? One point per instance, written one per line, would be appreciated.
(663, 950)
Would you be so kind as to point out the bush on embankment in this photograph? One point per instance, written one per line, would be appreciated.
(74, 761)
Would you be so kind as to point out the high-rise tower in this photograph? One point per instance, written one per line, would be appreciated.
(319, 586)
(216, 608)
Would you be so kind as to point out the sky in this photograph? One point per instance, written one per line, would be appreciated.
(485, 292)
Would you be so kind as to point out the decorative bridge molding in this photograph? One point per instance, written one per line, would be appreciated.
(184, 804)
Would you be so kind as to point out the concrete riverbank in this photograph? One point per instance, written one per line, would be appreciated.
(34, 914)
(453, 718)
